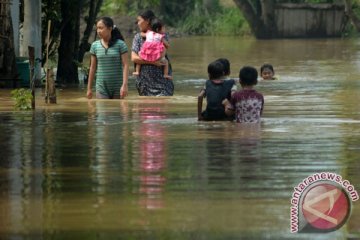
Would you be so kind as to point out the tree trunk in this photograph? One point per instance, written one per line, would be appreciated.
(8, 68)
(253, 18)
(67, 67)
(32, 32)
(349, 12)
(15, 16)
(90, 21)
(268, 18)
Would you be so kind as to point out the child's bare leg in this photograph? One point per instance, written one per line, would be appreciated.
(137, 70)
(166, 66)
(166, 69)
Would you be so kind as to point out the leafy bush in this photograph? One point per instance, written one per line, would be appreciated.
(196, 24)
(22, 98)
(228, 21)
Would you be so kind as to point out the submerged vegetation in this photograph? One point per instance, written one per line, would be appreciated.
(22, 98)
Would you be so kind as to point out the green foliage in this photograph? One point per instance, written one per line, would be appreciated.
(22, 98)
(196, 24)
(319, 1)
(201, 17)
(173, 12)
(129, 7)
(230, 22)
(113, 7)
(83, 67)
(51, 12)
(135, 6)
(306, 1)
(227, 21)
(350, 30)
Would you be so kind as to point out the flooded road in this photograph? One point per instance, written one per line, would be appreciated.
(144, 168)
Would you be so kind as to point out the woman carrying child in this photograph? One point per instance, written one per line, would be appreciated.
(154, 47)
(151, 80)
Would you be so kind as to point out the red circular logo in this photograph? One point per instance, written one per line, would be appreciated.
(326, 207)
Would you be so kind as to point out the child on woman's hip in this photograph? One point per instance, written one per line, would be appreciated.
(154, 47)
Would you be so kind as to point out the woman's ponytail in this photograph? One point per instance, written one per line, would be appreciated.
(115, 35)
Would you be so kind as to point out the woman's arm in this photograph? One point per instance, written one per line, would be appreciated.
(92, 71)
(124, 87)
(136, 59)
(166, 43)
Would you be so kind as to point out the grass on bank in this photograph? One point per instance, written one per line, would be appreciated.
(227, 22)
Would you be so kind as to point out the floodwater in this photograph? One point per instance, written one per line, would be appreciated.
(144, 168)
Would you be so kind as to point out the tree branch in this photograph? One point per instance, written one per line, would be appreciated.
(251, 16)
(349, 12)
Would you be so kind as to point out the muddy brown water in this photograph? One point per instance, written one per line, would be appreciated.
(144, 168)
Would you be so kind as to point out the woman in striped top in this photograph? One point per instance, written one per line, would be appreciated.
(109, 62)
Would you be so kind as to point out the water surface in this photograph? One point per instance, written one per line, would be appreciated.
(144, 168)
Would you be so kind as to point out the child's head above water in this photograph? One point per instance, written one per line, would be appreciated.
(157, 25)
(225, 62)
(216, 70)
(248, 76)
(267, 72)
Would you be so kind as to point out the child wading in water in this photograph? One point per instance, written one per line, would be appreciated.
(216, 90)
(248, 103)
(109, 62)
(154, 47)
(267, 72)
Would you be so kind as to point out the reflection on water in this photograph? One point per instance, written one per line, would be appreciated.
(144, 168)
(152, 157)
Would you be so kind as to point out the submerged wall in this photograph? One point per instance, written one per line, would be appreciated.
(310, 20)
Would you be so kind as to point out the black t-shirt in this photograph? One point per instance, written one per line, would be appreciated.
(215, 93)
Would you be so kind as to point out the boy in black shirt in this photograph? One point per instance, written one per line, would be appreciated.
(216, 90)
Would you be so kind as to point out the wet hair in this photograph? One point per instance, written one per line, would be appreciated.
(248, 76)
(115, 32)
(147, 15)
(215, 70)
(266, 66)
(156, 25)
(225, 62)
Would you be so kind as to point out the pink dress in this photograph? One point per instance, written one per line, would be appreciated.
(153, 46)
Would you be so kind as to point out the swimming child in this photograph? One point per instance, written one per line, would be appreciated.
(216, 90)
(267, 72)
(154, 47)
(248, 103)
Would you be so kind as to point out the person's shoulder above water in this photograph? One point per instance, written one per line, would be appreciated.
(271, 79)
(230, 80)
(216, 81)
